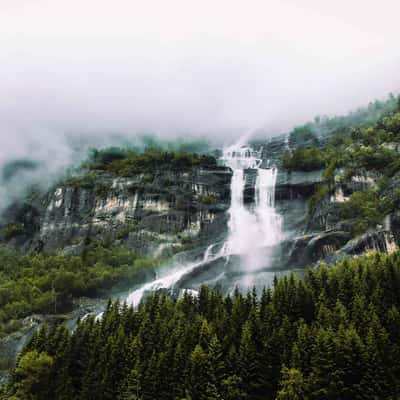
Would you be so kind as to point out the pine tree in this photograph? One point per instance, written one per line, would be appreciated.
(293, 385)
(202, 384)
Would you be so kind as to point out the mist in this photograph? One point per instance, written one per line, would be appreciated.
(78, 74)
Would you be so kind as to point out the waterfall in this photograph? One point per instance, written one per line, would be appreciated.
(252, 230)
(171, 277)
(253, 227)
(269, 220)
(243, 226)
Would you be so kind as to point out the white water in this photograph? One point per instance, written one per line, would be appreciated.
(171, 277)
(269, 220)
(251, 229)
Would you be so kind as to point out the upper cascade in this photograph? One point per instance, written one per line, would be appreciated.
(242, 157)
(258, 225)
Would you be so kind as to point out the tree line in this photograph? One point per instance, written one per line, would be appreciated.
(333, 333)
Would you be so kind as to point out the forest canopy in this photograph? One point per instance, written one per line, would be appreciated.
(334, 333)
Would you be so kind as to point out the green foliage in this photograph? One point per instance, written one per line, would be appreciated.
(368, 209)
(84, 181)
(334, 333)
(331, 126)
(364, 144)
(364, 208)
(370, 128)
(320, 193)
(304, 134)
(191, 145)
(304, 159)
(33, 375)
(40, 283)
(11, 231)
(176, 156)
(153, 160)
(293, 385)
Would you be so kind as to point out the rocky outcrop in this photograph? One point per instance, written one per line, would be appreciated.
(322, 233)
(273, 149)
(325, 215)
(296, 184)
(156, 213)
(373, 240)
(311, 248)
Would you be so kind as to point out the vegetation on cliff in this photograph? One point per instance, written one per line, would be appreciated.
(334, 333)
(352, 153)
(316, 145)
(315, 133)
(123, 162)
(129, 161)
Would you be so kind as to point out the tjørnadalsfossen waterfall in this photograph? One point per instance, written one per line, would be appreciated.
(252, 227)
(253, 232)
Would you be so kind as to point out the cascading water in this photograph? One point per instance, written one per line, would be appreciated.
(171, 277)
(253, 231)
(243, 227)
(269, 220)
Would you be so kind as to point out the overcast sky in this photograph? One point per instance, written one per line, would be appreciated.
(215, 68)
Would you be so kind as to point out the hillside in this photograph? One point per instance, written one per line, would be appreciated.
(354, 204)
(107, 227)
(157, 225)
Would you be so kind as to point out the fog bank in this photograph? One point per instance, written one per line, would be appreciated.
(93, 71)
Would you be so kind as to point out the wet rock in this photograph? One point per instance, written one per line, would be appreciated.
(326, 215)
(392, 186)
(250, 176)
(296, 184)
(373, 240)
(308, 249)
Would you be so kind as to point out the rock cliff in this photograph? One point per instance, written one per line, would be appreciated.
(157, 214)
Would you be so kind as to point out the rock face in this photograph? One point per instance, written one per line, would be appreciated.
(296, 184)
(374, 240)
(323, 234)
(155, 214)
(165, 212)
(250, 176)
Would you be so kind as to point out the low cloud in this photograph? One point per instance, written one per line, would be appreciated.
(75, 74)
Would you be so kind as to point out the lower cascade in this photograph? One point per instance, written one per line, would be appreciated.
(253, 230)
